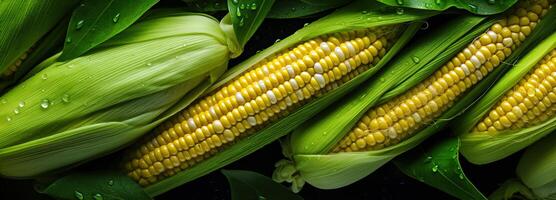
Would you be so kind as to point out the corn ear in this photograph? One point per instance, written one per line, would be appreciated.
(319, 152)
(80, 109)
(537, 168)
(24, 38)
(493, 129)
(255, 102)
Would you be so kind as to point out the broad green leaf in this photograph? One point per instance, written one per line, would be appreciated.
(436, 163)
(248, 185)
(247, 16)
(96, 21)
(482, 7)
(95, 185)
(285, 9)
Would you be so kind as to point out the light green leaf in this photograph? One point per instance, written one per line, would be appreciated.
(248, 185)
(482, 7)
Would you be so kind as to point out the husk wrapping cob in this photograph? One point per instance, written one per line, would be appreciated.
(271, 93)
(515, 112)
(80, 109)
(442, 76)
(23, 39)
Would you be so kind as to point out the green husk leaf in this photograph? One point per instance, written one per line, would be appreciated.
(510, 189)
(347, 18)
(314, 163)
(92, 105)
(18, 18)
(246, 16)
(286, 9)
(96, 21)
(447, 174)
(248, 185)
(537, 167)
(481, 148)
(482, 7)
(106, 185)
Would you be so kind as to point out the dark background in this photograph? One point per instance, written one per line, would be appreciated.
(386, 183)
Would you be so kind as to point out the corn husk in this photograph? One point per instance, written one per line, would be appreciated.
(73, 111)
(308, 147)
(358, 15)
(481, 148)
(537, 168)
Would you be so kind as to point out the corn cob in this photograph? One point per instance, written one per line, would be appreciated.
(21, 48)
(249, 101)
(522, 110)
(392, 122)
(270, 94)
(96, 103)
(357, 136)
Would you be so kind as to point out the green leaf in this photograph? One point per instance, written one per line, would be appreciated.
(247, 185)
(96, 185)
(206, 5)
(298, 8)
(96, 21)
(436, 163)
(482, 7)
(247, 16)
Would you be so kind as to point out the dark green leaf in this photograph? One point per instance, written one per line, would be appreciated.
(436, 163)
(206, 5)
(299, 8)
(96, 185)
(96, 21)
(247, 16)
(247, 185)
(482, 7)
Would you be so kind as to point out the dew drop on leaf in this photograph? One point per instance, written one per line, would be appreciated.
(21, 104)
(416, 59)
(491, 1)
(78, 195)
(68, 40)
(98, 197)
(116, 18)
(16, 111)
(254, 6)
(9, 119)
(66, 98)
(44, 76)
(435, 168)
(45, 103)
(3, 101)
(399, 11)
(400, 2)
(79, 24)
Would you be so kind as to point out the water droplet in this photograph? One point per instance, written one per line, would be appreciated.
(8, 118)
(438, 2)
(416, 59)
(293, 9)
(82, 5)
(242, 6)
(3, 101)
(238, 12)
(235, 1)
(66, 98)
(116, 18)
(21, 104)
(461, 176)
(306, 24)
(473, 8)
(364, 12)
(324, 133)
(277, 40)
(428, 159)
(78, 195)
(16, 111)
(400, 2)
(45, 103)
(425, 26)
(241, 22)
(216, 4)
(68, 40)
(254, 6)
(98, 197)
(79, 24)
(44, 76)
(491, 1)
(111, 182)
(399, 11)
(435, 168)
(262, 198)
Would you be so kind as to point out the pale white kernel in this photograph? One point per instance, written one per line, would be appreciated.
(299, 94)
(290, 70)
(475, 61)
(218, 127)
(271, 96)
(348, 65)
(492, 35)
(252, 121)
(392, 132)
(191, 123)
(324, 46)
(479, 74)
(465, 69)
(350, 48)
(508, 42)
(292, 56)
(213, 112)
(417, 117)
(294, 84)
(265, 70)
(340, 53)
(239, 98)
(481, 57)
(262, 85)
(288, 101)
(318, 68)
(320, 80)
(433, 90)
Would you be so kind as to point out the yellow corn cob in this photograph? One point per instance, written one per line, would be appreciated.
(266, 92)
(392, 122)
(530, 102)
